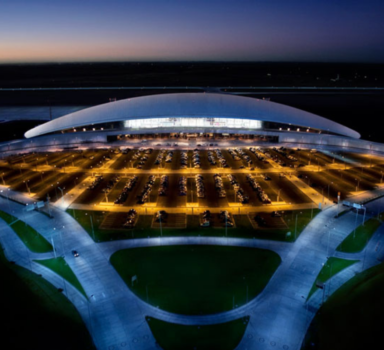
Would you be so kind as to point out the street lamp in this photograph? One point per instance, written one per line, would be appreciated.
(322, 193)
(26, 184)
(278, 194)
(93, 231)
(358, 183)
(328, 188)
(2, 177)
(296, 225)
(62, 194)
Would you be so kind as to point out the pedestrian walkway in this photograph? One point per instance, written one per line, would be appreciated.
(116, 317)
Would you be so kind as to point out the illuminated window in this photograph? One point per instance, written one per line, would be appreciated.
(193, 122)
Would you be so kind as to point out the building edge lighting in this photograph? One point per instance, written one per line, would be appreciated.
(193, 106)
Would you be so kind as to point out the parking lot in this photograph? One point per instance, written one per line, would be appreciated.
(208, 177)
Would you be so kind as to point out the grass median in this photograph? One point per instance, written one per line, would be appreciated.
(196, 280)
(34, 241)
(60, 266)
(351, 318)
(357, 240)
(91, 221)
(36, 314)
(223, 336)
(331, 268)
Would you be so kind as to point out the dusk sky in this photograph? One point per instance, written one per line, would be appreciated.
(160, 30)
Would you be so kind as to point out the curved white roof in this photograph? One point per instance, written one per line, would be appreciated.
(192, 105)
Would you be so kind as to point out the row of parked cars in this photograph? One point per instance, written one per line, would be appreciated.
(240, 194)
(161, 216)
(258, 153)
(226, 218)
(111, 183)
(219, 186)
(131, 218)
(221, 158)
(206, 218)
(196, 158)
(143, 197)
(200, 186)
(211, 158)
(160, 157)
(182, 186)
(244, 155)
(256, 187)
(183, 160)
(169, 157)
(164, 183)
(234, 154)
(131, 182)
(95, 182)
(102, 161)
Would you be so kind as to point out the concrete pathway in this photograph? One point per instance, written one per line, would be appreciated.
(116, 318)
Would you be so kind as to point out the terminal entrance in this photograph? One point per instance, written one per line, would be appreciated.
(193, 137)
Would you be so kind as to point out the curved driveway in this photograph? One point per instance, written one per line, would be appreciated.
(115, 317)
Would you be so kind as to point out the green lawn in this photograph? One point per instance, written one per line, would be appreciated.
(36, 314)
(356, 241)
(243, 229)
(351, 318)
(196, 279)
(304, 217)
(223, 336)
(31, 238)
(332, 267)
(59, 266)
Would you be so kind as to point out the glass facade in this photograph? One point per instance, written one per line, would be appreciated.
(193, 122)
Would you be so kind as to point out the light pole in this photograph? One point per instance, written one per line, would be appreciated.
(329, 235)
(354, 231)
(26, 184)
(328, 189)
(2, 177)
(357, 185)
(53, 246)
(296, 225)
(226, 226)
(93, 231)
(322, 193)
(278, 194)
(246, 294)
(161, 229)
(62, 194)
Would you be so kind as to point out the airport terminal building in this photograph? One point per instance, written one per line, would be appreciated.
(190, 116)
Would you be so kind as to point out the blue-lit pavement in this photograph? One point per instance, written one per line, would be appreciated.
(116, 317)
